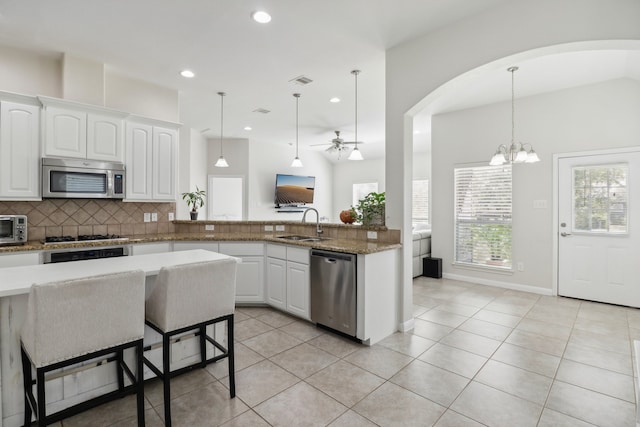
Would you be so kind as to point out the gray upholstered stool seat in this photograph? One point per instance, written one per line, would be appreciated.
(74, 321)
(191, 297)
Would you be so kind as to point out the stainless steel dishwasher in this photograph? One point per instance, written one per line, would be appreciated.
(333, 290)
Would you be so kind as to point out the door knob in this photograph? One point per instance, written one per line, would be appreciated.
(563, 234)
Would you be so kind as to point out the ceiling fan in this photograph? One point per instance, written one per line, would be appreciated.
(338, 144)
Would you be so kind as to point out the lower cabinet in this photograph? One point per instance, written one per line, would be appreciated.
(250, 273)
(288, 279)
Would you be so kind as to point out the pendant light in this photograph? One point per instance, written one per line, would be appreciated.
(297, 163)
(517, 152)
(356, 154)
(222, 162)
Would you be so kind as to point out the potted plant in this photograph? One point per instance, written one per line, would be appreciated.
(195, 200)
(371, 209)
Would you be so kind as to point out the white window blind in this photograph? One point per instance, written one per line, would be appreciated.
(420, 201)
(483, 216)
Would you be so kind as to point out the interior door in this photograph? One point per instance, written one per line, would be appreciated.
(599, 234)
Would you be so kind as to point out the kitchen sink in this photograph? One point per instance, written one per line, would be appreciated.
(297, 238)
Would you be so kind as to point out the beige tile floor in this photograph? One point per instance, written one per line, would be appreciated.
(477, 356)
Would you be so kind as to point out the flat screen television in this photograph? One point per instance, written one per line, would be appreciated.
(294, 190)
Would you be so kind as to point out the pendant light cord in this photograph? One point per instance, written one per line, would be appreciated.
(297, 95)
(355, 73)
(222, 94)
(513, 105)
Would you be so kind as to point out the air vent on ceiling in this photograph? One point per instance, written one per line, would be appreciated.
(261, 111)
(301, 80)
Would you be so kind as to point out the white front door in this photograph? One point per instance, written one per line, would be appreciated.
(599, 227)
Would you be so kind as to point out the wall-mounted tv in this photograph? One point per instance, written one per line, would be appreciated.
(294, 190)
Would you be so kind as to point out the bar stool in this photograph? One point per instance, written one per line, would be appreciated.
(190, 297)
(70, 322)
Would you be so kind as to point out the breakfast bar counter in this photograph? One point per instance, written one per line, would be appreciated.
(15, 283)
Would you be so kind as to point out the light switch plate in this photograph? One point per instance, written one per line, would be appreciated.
(209, 227)
(279, 227)
(154, 217)
(372, 235)
(171, 216)
(147, 217)
(268, 228)
(539, 204)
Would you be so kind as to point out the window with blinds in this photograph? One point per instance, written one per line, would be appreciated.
(483, 216)
(420, 202)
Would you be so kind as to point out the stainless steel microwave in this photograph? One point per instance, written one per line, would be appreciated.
(82, 179)
(13, 229)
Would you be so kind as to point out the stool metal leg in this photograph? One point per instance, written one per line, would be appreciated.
(166, 378)
(42, 403)
(140, 383)
(120, 369)
(27, 380)
(231, 357)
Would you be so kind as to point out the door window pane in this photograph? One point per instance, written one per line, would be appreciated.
(600, 199)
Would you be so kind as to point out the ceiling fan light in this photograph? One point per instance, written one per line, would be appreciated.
(297, 163)
(221, 163)
(355, 155)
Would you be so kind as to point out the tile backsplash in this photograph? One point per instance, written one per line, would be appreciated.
(73, 217)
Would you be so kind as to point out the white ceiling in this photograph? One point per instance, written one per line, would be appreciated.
(154, 40)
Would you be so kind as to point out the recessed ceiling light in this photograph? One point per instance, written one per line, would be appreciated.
(334, 100)
(247, 128)
(261, 17)
(187, 73)
(416, 132)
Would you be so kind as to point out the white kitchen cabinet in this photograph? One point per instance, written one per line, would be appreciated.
(277, 283)
(82, 131)
(288, 284)
(150, 248)
(250, 273)
(19, 150)
(150, 162)
(187, 246)
(18, 260)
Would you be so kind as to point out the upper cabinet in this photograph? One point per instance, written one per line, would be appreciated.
(150, 161)
(82, 131)
(19, 148)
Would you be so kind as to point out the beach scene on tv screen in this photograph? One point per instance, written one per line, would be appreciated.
(294, 189)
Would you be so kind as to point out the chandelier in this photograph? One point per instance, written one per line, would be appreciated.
(517, 152)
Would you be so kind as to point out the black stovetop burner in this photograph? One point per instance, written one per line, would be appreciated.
(81, 238)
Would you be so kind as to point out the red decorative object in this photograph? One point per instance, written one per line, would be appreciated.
(347, 217)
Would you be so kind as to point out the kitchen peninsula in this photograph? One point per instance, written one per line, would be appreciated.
(257, 249)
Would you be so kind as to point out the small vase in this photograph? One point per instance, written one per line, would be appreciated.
(194, 215)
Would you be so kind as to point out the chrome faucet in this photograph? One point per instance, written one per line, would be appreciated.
(318, 227)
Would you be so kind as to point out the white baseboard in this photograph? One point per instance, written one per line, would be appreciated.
(498, 284)
(407, 326)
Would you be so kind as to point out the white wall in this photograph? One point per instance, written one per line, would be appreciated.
(140, 97)
(192, 170)
(585, 118)
(416, 69)
(82, 80)
(347, 173)
(266, 160)
(30, 73)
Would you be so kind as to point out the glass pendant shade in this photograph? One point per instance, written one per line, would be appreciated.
(297, 163)
(221, 163)
(355, 154)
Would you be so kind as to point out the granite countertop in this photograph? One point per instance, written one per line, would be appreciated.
(331, 244)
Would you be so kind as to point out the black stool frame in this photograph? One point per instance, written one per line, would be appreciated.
(166, 374)
(38, 406)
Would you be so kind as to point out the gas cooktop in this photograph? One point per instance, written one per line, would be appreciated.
(84, 238)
